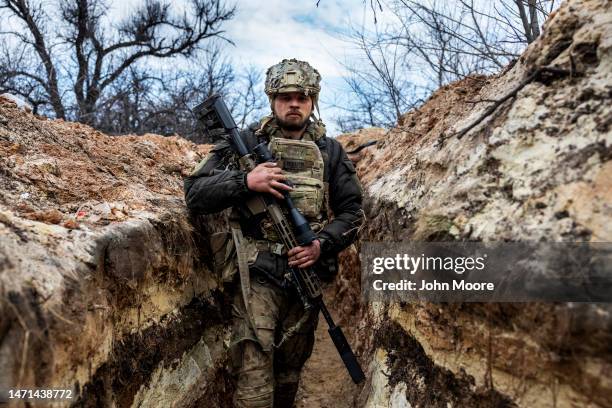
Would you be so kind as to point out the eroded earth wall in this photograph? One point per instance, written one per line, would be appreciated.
(538, 168)
(104, 289)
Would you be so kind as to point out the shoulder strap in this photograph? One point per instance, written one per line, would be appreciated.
(263, 123)
(243, 265)
(323, 148)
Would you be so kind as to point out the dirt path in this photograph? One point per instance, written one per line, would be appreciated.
(325, 382)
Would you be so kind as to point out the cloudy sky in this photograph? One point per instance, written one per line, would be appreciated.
(265, 32)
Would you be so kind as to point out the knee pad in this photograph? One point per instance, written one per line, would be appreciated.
(254, 377)
(258, 396)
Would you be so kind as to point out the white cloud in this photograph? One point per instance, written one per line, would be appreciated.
(267, 32)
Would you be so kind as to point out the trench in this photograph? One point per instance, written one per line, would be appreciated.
(325, 382)
(136, 320)
(141, 354)
(126, 312)
(137, 354)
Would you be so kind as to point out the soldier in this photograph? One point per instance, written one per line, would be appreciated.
(272, 335)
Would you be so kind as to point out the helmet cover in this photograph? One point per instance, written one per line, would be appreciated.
(291, 75)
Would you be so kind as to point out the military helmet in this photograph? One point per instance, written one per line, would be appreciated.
(291, 75)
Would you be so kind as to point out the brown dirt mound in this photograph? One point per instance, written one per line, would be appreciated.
(57, 172)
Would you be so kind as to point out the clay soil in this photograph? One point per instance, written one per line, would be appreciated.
(55, 171)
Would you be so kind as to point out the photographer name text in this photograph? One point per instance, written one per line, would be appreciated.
(410, 265)
(424, 285)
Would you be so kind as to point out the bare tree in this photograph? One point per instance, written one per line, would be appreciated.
(143, 102)
(67, 63)
(454, 40)
(379, 80)
(168, 110)
(443, 41)
(531, 28)
(248, 101)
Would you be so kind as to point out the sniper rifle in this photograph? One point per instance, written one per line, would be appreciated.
(214, 115)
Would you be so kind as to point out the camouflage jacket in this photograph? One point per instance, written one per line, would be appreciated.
(217, 184)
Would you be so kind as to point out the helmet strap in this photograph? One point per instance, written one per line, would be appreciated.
(315, 102)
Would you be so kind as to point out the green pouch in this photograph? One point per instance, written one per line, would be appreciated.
(307, 194)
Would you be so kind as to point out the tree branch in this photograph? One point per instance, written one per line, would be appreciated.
(21, 9)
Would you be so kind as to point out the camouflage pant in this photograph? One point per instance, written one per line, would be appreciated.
(267, 376)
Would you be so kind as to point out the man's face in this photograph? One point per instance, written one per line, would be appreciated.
(292, 110)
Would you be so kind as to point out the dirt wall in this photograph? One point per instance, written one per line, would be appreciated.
(537, 168)
(104, 286)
